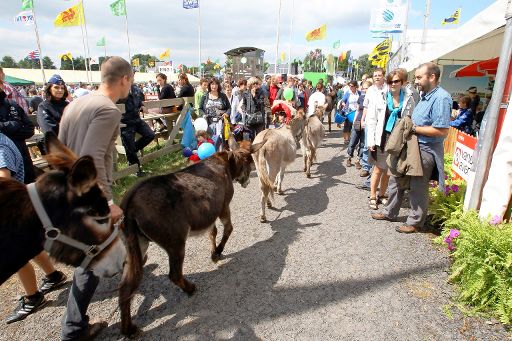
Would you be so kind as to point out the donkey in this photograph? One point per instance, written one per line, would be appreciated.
(277, 153)
(76, 207)
(312, 137)
(165, 209)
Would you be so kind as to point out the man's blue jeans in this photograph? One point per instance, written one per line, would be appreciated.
(363, 154)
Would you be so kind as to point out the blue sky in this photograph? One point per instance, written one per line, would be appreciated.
(159, 24)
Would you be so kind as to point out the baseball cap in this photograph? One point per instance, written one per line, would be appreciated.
(56, 80)
(472, 89)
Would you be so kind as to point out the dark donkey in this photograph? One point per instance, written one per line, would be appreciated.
(76, 208)
(165, 209)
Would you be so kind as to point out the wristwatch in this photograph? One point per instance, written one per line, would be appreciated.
(413, 129)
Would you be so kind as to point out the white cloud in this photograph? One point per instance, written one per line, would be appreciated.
(155, 25)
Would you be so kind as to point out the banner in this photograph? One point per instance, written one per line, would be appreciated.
(101, 42)
(66, 56)
(165, 55)
(94, 61)
(33, 55)
(336, 44)
(118, 8)
(189, 4)
(70, 17)
(380, 53)
(453, 19)
(25, 17)
(463, 156)
(317, 34)
(26, 4)
(388, 19)
(136, 62)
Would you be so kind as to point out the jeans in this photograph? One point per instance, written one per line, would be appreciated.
(363, 156)
(132, 146)
(75, 320)
(356, 138)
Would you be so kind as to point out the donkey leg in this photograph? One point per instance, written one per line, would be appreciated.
(213, 240)
(308, 166)
(305, 157)
(176, 257)
(280, 181)
(225, 218)
(264, 198)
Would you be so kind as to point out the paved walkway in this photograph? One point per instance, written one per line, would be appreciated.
(321, 269)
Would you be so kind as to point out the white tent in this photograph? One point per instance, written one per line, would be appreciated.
(478, 39)
(78, 76)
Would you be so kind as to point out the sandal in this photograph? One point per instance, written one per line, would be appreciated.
(373, 204)
(383, 200)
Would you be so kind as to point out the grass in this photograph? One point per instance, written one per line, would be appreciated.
(165, 164)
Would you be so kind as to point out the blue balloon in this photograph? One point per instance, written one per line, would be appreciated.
(187, 152)
(205, 150)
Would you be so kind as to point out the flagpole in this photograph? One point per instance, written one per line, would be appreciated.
(290, 45)
(200, 71)
(277, 38)
(38, 43)
(85, 51)
(127, 35)
(86, 36)
(425, 24)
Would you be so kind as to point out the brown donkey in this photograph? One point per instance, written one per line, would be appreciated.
(165, 209)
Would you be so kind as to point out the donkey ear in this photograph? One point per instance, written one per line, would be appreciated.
(257, 146)
(59, 156)
(233, 145)
(82, 175)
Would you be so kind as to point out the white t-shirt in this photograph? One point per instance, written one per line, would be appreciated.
(80, 92)
(317, 97)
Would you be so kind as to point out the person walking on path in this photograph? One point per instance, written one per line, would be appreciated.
(431, 119)
(357, 134)
(90, 126)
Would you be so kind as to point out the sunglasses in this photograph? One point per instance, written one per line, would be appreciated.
(396, 81)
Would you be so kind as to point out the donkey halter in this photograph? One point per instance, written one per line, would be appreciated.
(53, 234)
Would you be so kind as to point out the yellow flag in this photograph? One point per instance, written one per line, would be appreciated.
(165, 55)
(136, 62)
(317, 33)
(66, 56)
(283, 56)
(70, 17)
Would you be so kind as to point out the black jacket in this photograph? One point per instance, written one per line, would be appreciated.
(49, 114)
(16, 125)
(186, 91)
(132, 105)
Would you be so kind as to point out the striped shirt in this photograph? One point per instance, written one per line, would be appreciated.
(11, 159)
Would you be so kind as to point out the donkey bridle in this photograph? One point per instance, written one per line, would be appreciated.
(53, 234)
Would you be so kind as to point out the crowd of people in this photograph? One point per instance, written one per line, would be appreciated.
(87, 121)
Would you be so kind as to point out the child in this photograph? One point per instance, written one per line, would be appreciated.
(202, 137)
(464, 119)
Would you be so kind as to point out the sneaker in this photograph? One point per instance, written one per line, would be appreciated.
(364, 173)
(53, 281)
(26, 306)
(140, 173)
(349, 162)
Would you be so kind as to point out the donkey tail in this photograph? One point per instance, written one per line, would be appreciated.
(263, 173)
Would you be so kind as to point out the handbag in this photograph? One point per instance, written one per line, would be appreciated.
(339, 118)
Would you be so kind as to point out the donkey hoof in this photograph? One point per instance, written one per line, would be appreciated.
(215, 257)
(263, 219)
(280, 192)
(269, 204)
(308, 175)
(130, 331)
(190, 288)
(305, 170)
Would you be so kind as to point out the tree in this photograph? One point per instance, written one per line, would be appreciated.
(365, 66)
(48, 63)
(8, 62)
(313, 62)
(144, 60)
(28, 63)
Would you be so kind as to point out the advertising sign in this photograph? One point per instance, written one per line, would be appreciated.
(463, 156)
(389, 19)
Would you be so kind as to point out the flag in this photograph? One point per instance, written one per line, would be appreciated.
(118, 8)
(343, 56)
(66, 56)
(336, 44)
(165, 55)
(151, 63)
(27, 4)
(188, 139)
(33, 55)
(93, 61)
(101, 42)
(317, 34)
(70, 17)
(25, 17)
(380, 53)
(189, 4)
(283, 57)
(136, 62)
(453, 19)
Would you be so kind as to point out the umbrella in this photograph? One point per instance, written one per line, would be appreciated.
(17, 81)
(479, 69)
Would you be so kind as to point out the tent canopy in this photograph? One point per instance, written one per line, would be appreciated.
(17, 81)
(478, 69)
(480, 38)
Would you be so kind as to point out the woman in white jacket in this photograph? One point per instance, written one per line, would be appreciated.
(382, 115)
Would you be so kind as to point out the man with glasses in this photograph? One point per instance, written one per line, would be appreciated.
(431, 118)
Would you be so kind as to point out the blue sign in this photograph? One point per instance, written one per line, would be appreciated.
(189, 4)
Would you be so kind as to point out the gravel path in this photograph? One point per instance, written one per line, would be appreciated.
(321, 269)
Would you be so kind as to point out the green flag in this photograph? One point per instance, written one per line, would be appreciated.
(336, 44)
(118, 8)
(26, 5)
(101, 42)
